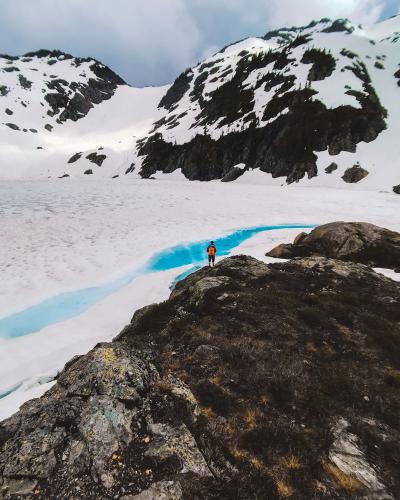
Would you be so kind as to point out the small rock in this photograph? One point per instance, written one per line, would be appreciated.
(354, 174)
(12, 126)
(331, 168)
(75, 158)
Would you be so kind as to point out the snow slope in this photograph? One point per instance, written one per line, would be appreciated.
(35, 151)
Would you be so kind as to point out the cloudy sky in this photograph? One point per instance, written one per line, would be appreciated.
(150, 42)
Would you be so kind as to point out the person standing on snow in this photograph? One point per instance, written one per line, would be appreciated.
(211, 251)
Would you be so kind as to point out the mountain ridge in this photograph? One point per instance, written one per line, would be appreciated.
(329, 88)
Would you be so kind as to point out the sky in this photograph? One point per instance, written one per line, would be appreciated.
(151, 42)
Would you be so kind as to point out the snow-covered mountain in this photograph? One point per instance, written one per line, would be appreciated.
(54, 107)
(299, 102)
(316, 104)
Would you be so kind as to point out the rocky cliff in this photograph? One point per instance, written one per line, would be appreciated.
(281, 104)
(251, 381)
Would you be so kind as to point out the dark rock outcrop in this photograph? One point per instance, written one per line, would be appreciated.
(323, 64)
(233, 174)
(96, 158)
(9, 112)
(285, 147)
(12, 126)
(294, 125)
(251, 381)
(331, 168)
(177, 90)
(94, 91)
(89, 171)
(354, 174)
(351, 241)
(75, 157)
(396, 189)
(130, 169)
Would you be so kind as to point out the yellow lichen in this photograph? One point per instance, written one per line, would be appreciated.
(215, 380)
(257, 464)
(251, 416)
(207, 412)
(341, 479)
(108, 355)
(292, 462)
(283, 489)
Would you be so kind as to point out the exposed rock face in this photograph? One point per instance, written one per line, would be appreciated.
(355, 241)
(354, 174)
(396, 189)
(233, 174)
(177, 90)
(12, 126)
(95, 91)
(96, 158)
(251, 381)
(75, 157)
(331, 168)
(251, 107)
(89, 171)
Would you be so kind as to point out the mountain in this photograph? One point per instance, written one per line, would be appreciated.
(252, 381)
(316, 104)
(299, 102)
(54, 105)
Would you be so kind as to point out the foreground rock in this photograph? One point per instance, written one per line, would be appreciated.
(354, 241)
(251, 381)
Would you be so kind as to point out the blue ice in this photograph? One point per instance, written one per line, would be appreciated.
(67, 305)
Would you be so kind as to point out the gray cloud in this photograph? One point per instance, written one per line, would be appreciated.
(149, 43)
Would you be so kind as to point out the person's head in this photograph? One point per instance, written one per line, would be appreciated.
(211, 243)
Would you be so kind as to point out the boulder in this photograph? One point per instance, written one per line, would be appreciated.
(89, 171)
(354, 174)
(356, 241)
(396, 189)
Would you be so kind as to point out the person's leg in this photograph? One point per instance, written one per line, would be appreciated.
(209, 261)
(213, 260)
